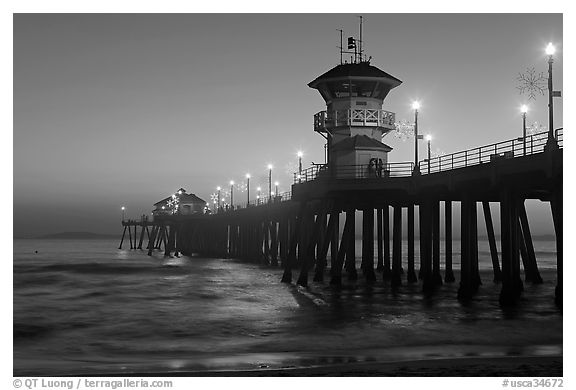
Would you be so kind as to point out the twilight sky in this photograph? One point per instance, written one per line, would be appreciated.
(116, 110)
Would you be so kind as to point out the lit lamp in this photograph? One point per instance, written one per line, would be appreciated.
(218, 189)
(416, 107)
(258, 195)
(231, 193)
(300, 154)
(524, 110)
(123, 208)
(428, 139)
(276, 188)
(269, 181)
(248, 189)
(551, 142)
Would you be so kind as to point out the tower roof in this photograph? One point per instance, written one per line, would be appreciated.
(360, 142)
(355, 70)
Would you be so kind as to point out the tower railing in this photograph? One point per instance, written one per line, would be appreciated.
(353, 117)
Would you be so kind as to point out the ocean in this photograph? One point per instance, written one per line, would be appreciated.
(84, 307)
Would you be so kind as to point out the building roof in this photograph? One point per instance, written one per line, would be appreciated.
(362, 69)
(191, 198)
(360, 142)
(183, 198)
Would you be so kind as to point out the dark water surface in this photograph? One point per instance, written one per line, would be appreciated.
(84, 307)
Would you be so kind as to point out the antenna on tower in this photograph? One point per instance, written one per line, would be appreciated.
(361, 42)
(341, 49)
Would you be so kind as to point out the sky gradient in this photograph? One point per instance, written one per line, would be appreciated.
(116, 110)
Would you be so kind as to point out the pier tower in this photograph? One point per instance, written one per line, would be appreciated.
(354, 122)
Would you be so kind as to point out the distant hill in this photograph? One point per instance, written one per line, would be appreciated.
(77, 236)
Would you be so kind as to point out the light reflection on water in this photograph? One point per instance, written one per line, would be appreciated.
(83, 306)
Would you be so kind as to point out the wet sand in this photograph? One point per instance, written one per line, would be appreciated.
(461, 367)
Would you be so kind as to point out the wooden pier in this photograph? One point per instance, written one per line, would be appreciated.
(297, 234)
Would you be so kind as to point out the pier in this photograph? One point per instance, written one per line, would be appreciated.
(301, 233)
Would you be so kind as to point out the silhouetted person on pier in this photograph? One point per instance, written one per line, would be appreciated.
(371, 167)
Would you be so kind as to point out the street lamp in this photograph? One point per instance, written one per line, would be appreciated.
(258, 195)
(269, 182)
(429, 138)
(300, 154)
(218, 189)
(231, 193)
(248, 189)
(524, 110)
(416, 107)
(123, 208)
(551, 142)
(276, 188)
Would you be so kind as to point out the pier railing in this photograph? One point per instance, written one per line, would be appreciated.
(258, 202)
(518, 147)
(365, 171)
(353, 117)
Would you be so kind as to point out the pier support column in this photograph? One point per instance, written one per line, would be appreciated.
(141, 240)
(368, 245)
(130, 236)
(412, 278)
(527, 246)
(273, 243)
(466, 289)
(152, 239)
(294, 237)
(380, 264)
(323, 248)
(336, 271)
(350, 265)
(284, 236)
(449, 273)
(122, 240)
(492, 241)
(425, 211)
(436, 276)
(474, 246)
(386, 271)
(334, 239)
(511, 283)
(314, 232)
(396, 279)
(556, 205)
(170, 245)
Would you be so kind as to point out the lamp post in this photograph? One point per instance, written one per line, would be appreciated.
(429, 138)
(416, 107)
(231, 193)
(123, 208)
(219, 197)
(276, 188)
(258, 195)
(524, 110)
(300, 154)
(551, 142)
(248, 189)
(269, 182)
